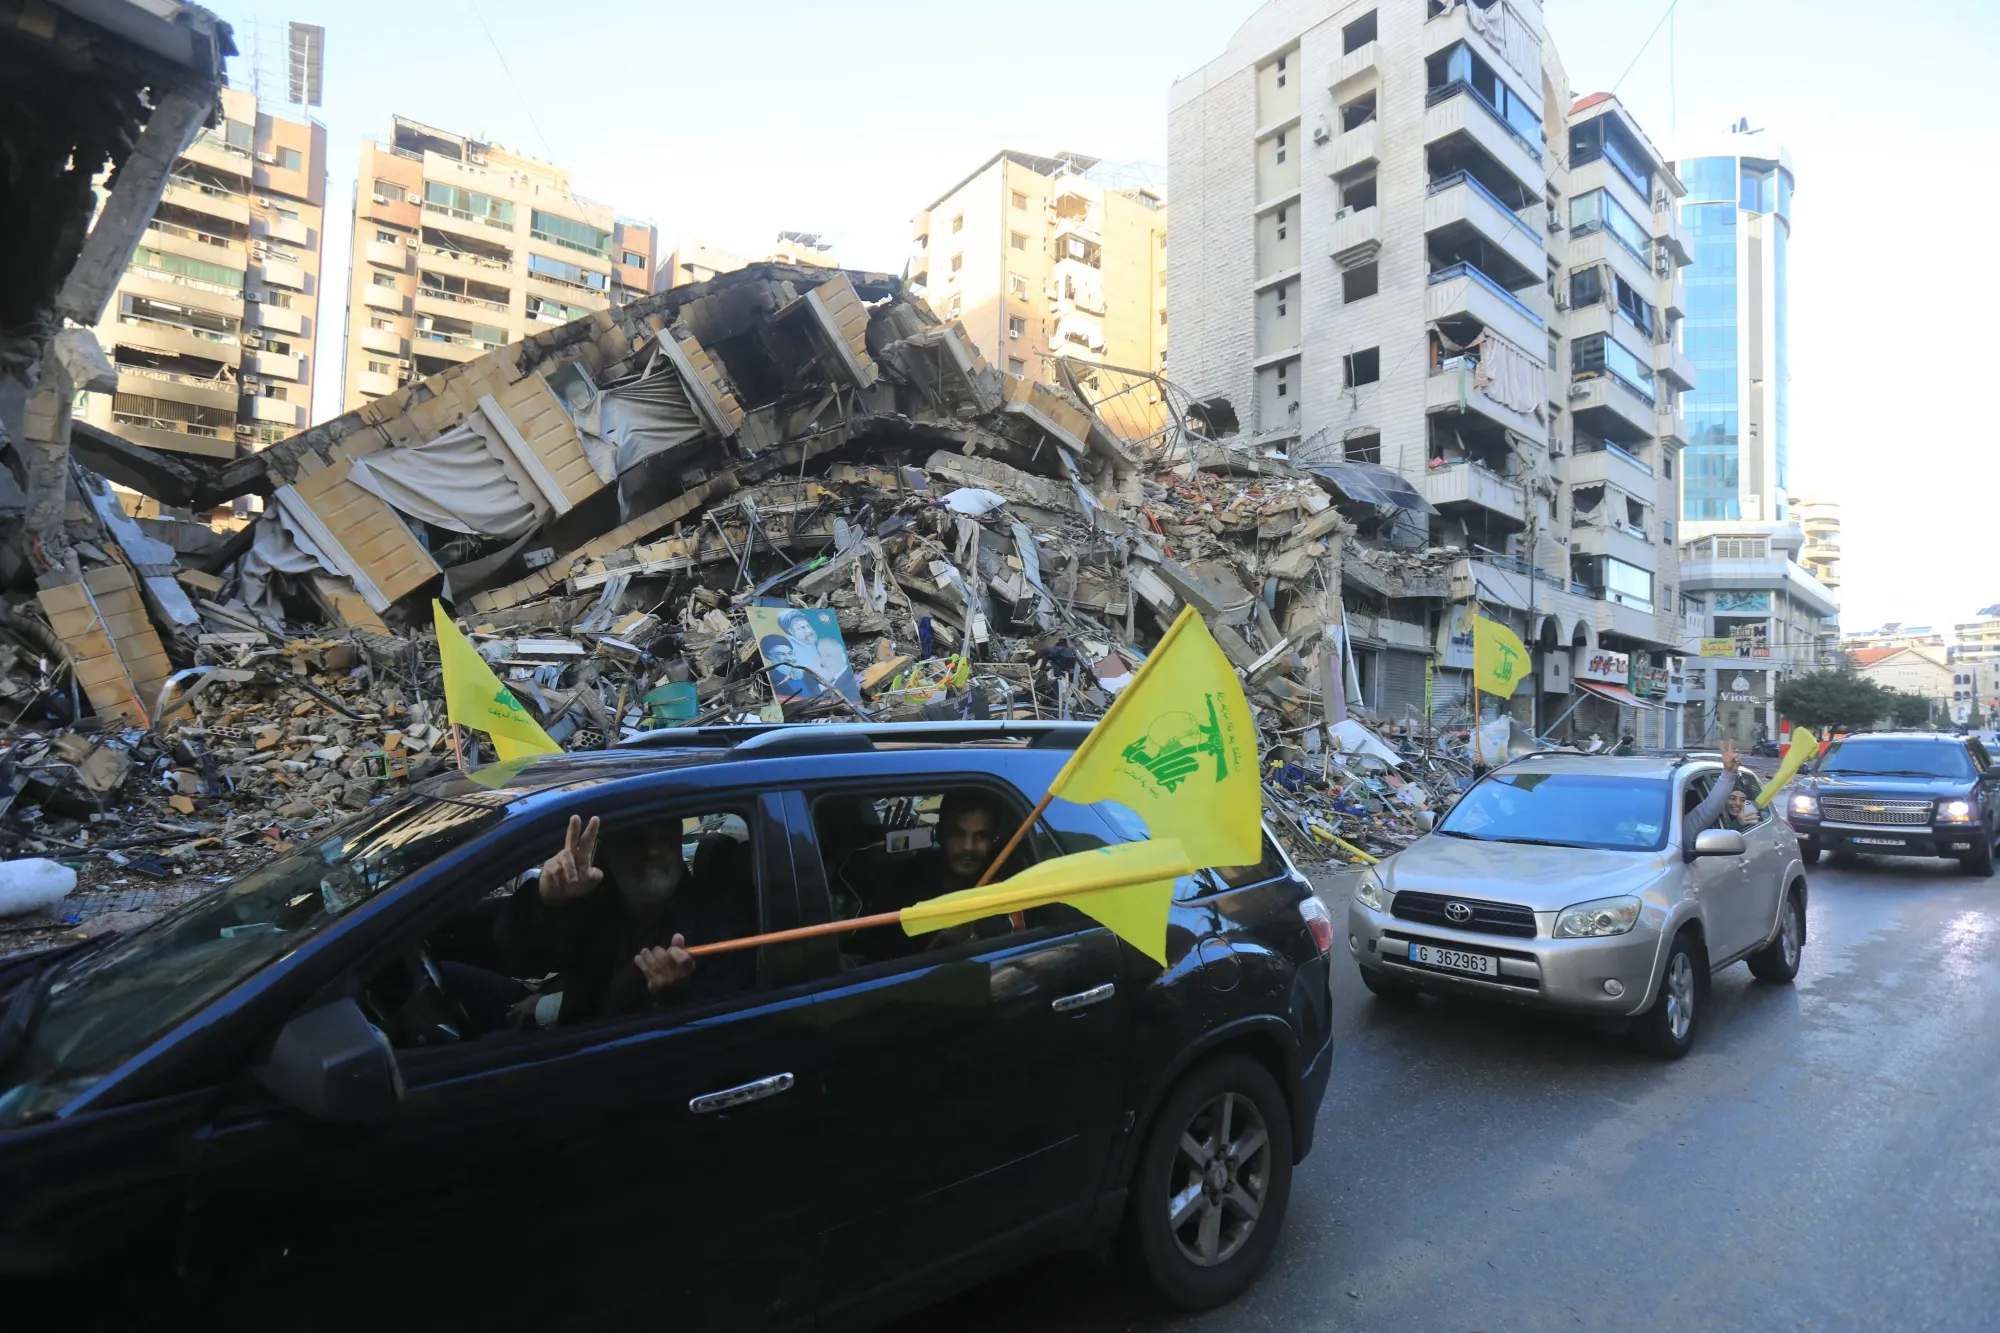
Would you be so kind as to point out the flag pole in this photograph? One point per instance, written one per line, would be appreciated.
(457, 750)
(796, 933)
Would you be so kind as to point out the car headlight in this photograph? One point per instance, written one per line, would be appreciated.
(1370, 892)
(1956, 812)
(1600, 916)
(1805, 803)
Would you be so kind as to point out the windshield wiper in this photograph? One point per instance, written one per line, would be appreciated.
(1536, 842)
(1884, 773)
(1457, 833)
(23, 1005)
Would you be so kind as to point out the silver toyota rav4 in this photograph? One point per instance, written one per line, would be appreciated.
(1580, 884)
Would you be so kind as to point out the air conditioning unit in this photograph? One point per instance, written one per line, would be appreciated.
(1578, 389)
(1661, 200)
(1343, 213)
(1663, 265)
(268, 159)
(1322, 130)
(1562, 301)
(380, 198)
(1555, 222)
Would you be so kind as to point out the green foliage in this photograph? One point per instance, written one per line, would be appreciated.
(1909, 710)
(1838, 698)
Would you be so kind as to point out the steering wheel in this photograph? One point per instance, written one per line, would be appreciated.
(416, 1007)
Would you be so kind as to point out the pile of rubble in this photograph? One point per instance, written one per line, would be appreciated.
(788, 493)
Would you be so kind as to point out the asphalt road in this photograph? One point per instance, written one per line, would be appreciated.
(1828, 1158)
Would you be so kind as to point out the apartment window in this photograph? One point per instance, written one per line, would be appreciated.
(633, 259)
(557, 270)
(1358, 33)
(288, 214)
(958, 261)
(1163, 319)
(1283, 298)
(1020, 199)
(1594, 210)
(1667, 539)
(282, 300)
(470, 204)
(1597, 353)
(376, 322)
(1283, 388)
(1016, 327)
(1018, 285)
(1363, 367)
(1019, 240)
(277, 391)
(1740, 548)
(1016, 366)
(391, 191)
(289, 159)
(1457, 66)
(384, 280)
(1363, 448)
(958, 223)
(239, 134)
(1358, 193)
(1358, 282)
(1586, 287)
(951, 307)
(1281, 146)
(1359, 112)
(388, 238)
(278, 345)
(379, 367)
(1284, 222)
(1281, 79)
(569, 233)
(1666, 463)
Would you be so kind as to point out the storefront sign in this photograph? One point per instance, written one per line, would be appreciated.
(1742, 603)
(1718, 647)
(1603, 665)
(1649, 681)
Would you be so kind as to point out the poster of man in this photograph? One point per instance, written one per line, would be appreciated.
(804, 652)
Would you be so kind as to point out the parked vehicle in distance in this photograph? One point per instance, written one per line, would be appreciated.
(283, 1096)
(1567, 883)
(1900, 793)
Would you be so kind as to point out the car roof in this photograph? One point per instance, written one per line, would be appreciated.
(1635, 765)
(1936, 736)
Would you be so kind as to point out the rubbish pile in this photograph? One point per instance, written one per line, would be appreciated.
(787, 493)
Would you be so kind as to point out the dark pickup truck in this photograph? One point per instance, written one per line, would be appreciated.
(1900, 794)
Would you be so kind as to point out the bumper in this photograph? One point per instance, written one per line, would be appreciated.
(1312, 1091)
(1949, 840)
(1566, 976)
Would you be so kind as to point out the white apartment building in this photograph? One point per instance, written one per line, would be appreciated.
(1765, 617)
(1819, 517)
(1399, 239)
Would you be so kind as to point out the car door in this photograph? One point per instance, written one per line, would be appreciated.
(660, 1168)
(1719, 881)
(1769, 848)
(972, 1096)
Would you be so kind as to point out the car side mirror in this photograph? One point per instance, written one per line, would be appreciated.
(333, 1064)
(1718, 842)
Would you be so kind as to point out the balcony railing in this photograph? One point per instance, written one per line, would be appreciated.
(1468, 179)
(1448, 91)
(213, 191)
(206, 335)
(467, 257)
(1467, 270)
(182, 280)
(209, 139)
(432, 206)
(564, 241)
(176, 377)
(456, 339)
(440, 294)
(1606, 446)
(190, 234)
(1643, 394)
(173, 424)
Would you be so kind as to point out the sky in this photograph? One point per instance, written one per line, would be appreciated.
(732, 122)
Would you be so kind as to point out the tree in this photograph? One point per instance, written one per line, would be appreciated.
(1839, 698)
(1909, 710)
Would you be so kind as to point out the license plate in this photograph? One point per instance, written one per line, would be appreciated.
(1879, 842)
(1479, 964)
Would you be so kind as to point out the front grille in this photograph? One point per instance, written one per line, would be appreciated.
(1860, 810)
(1487, 918)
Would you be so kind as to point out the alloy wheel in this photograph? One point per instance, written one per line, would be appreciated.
(1790, 932)
(1219, 1179)
(1680, 996)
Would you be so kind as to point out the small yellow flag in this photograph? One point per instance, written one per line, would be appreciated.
(474, 697)
(1804, 746)
(1129, 888)
(1499, 660)
(1179, 748)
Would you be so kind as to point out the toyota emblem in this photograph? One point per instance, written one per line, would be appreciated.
(1458, 912)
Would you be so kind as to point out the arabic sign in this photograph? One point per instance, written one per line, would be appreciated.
(1603, 665)
(1718, 647)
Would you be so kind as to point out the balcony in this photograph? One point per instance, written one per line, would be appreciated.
(375, 384)
(1460, 214)
(219, 154)
(1611, 409)
(1454, 26)
(279, 273)
(1078, 284)
(1364, 59)
(1455, 388)
(1358, 147)
(1668, 232)
(1606, 318)
(287, 231)
(466, 264)
(209, 199)
(182, 437)
(1672, 365)
(1617, 540)
(1601, 247)
(193, 293)
(1455, 118)
(178, 388)
(456, 305)
(386, 341)
(1671, 429)
(1632, 620)
(384, 255)
(1469, 486)
(278, 365)
(1600, 174)
(1609, 463)
(1357, 236)
(450, 346)
(1672, 296)
(274, 318)
(1757, 574)
(385, 298)
(275, 411)
(1462, 291)
(192, 243)
(177, 339)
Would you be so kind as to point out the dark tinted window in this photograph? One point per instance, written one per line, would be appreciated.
(1889, 756)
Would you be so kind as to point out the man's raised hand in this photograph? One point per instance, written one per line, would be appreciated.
(1730, 763)
(571, 873)
(665, 967)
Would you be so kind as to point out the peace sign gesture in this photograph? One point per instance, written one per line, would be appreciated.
(570, 874)
(1730, 763)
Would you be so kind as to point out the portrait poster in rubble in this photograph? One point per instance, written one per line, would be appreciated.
(804, 652)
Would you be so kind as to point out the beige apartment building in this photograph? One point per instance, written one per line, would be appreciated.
(1819, 518)
(1400, 239)
(691, 259)
(461, 247)
(211, 327)
(1038, 260)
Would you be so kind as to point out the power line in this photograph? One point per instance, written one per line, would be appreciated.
(1643, 45)
(519, 96)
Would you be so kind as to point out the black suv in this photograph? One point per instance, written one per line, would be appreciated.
(277, 1106)
(1900, 794)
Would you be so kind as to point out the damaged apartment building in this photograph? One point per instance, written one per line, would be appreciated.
(1458, 285)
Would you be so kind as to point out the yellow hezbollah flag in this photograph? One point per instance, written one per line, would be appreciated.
(1804, 746)
(1180, 750)
(474, 697)
(1129, 888)
(1499, 660)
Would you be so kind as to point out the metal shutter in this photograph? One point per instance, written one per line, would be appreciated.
(1402, 685)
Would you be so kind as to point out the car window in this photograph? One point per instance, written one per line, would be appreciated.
(1889, 756)
(1131, 828)
(540, 951)
(1617, 812)
(1748, 783)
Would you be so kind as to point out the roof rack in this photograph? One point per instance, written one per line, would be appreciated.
(768, 740)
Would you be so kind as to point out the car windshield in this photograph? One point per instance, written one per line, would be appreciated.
(1887, 757)
(1601, 810)
(111, 1002)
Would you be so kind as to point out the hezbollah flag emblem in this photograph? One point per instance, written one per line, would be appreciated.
(474, 697)
(1499, 659)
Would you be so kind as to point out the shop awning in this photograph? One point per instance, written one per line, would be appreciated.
(1617, 694)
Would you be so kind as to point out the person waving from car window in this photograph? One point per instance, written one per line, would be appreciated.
(1717, 804)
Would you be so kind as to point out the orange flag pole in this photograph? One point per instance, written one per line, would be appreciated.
(797, 933)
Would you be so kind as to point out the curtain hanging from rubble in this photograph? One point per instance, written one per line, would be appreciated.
(462, 481)
(627, 423)
(1509, 376)
(277, 547)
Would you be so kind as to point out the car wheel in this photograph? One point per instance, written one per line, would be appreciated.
(1980, 862)
(1213, 1182)
(1808, 852)
(1386, 987)
(1778, 961)
(1668, 1028)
